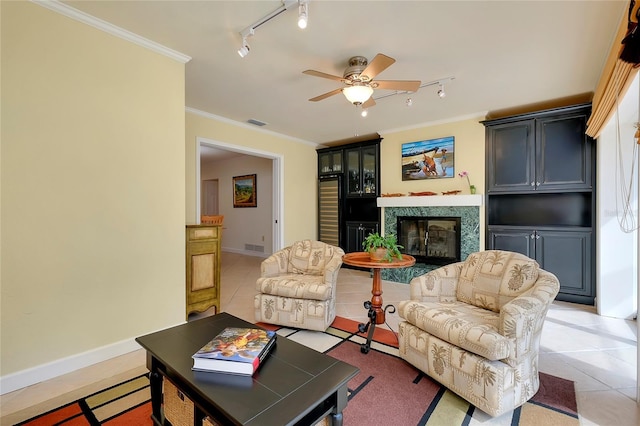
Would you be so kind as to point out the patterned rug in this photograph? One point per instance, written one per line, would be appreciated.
(387, 390)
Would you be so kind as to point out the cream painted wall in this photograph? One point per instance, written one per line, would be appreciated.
(469, 156)
(244, 225)
(92, 232)
(299, 218)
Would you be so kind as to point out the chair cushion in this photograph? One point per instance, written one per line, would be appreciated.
(309, 257)
(296, 286)
(466, 326)
(489, 279)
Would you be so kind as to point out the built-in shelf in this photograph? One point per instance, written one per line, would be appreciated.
(431, 201)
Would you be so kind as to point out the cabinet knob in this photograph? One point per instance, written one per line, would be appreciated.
(533, 184)
(537, 183)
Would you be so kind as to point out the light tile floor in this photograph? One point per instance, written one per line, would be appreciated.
(597, 353)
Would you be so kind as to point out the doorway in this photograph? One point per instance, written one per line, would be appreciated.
(277, 231)
(210, 198)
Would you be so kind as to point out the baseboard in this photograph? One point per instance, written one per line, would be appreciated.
(245, 252)
(50, 370)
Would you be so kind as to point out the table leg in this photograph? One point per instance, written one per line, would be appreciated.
(155, 387)
(376, 298)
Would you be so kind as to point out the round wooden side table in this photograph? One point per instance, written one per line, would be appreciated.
(376, 312)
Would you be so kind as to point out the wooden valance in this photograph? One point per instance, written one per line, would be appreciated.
(615, 80)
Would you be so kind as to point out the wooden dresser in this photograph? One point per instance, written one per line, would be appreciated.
(203, 267)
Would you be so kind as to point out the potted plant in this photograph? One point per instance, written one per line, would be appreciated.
(382, 248)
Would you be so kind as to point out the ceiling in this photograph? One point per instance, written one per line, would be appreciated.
(501, 54)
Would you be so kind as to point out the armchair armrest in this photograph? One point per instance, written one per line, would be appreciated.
(276, 264)
(332, 267)
(522, 318)
(438, 285)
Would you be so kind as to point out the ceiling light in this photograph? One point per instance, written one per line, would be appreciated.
(441, 92)
(244, 50)
(357, 94)
(364, 112)
(409, 102)
(303, 13)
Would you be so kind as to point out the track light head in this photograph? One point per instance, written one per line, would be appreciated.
(303, 13)
(441, 92)
(244, 50)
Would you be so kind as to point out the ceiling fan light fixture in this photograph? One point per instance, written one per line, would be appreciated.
(357, 94)
(303, 14)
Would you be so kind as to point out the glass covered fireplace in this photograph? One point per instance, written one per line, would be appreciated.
(433, 240)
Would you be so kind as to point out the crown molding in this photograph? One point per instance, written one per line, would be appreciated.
(248, 126)
(109, 28)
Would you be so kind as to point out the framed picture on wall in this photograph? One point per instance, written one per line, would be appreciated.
(244, 191)
(428, 159)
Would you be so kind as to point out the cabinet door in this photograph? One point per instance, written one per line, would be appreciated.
(356, 233)
(568, 255)
(520, 240)
(369, 171)
(354, 176)
(563, 152)
(511, 156)
(329, 162)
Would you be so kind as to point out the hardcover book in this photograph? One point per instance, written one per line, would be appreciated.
(235, 350)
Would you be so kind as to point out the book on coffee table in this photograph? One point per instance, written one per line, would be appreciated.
(235, 350)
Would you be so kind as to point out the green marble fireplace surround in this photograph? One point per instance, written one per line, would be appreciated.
(467, 207)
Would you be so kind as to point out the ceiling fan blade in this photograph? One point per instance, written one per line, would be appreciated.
(377, 65)
(403, 85)
(369, 103)
(323, 75)
(326, 95)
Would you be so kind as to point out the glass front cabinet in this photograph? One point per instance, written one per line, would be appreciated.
(362, 171)
(330, 162)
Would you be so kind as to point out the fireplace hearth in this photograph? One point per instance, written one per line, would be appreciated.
(433, 240)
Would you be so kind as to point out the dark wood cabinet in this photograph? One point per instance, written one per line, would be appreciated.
(541, 194)
(550, 152)
(351, 206)
(357, 232)
(566, 252)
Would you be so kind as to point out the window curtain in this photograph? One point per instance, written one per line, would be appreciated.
(618, 74)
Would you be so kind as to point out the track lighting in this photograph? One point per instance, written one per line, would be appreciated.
(303, 16)
(244, 50)
(409, 102)
(303, 13)
(441, 92)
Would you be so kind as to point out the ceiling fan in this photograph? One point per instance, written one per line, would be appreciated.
(359, 80)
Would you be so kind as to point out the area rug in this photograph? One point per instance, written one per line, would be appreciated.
(387, 390)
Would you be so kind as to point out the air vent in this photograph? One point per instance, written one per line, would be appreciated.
(254, 247)
(256, 122)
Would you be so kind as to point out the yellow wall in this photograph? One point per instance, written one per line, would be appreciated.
(469, 157)
(92, 188)
(299, 165)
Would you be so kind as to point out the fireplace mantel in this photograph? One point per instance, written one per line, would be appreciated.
(432, 201)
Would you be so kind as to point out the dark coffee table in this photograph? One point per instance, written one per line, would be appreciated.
(294, 386)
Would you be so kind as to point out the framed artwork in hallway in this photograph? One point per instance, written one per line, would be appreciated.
(244, 191)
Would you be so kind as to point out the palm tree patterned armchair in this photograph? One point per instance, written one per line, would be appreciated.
(475, 327)
(297, 286)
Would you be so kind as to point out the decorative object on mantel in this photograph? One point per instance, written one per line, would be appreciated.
(394, 194)
(420, 194)
(457, 191)
(472, 188)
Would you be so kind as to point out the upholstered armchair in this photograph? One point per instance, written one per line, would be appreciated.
(297, 286)
(475, 327)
